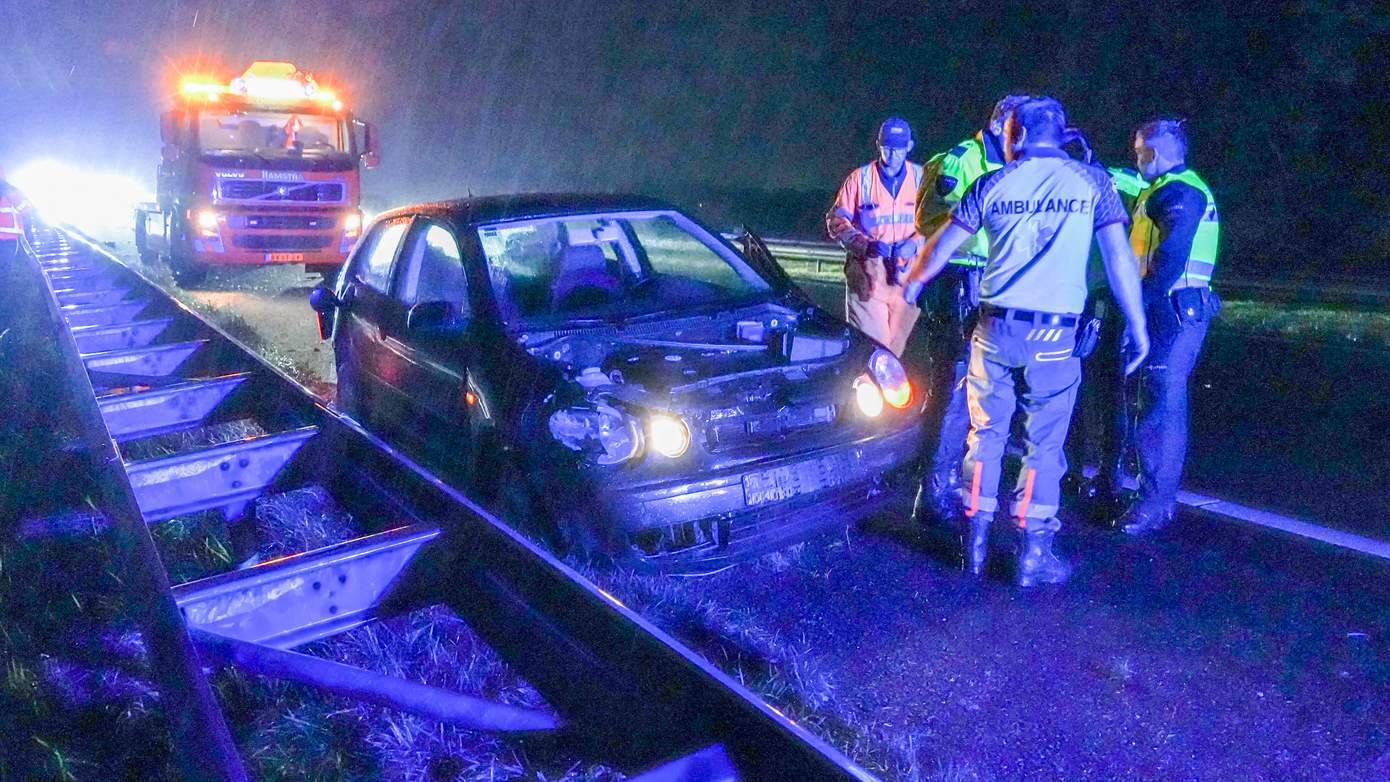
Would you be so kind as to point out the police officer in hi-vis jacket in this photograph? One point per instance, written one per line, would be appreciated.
(1174, 235)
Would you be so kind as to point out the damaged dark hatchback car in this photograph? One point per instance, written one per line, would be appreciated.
(611, 374)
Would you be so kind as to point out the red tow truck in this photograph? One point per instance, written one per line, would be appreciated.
(261, 169)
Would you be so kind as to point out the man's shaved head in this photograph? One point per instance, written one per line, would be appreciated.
(1159, 146)
(1167, 134)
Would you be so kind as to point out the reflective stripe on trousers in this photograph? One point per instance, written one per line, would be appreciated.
(1003, 352)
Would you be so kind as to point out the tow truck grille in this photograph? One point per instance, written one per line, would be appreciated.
(290, 222)
(260, 190)
(282, 242)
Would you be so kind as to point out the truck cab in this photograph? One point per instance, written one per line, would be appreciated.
(260, 170)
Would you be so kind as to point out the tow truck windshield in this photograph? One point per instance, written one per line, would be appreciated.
(272, 133)
(584, 269)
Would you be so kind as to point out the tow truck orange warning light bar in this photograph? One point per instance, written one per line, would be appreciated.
(263, 81)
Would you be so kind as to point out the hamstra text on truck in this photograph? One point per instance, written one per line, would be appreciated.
(262, 169)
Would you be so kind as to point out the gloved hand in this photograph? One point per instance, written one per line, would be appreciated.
(912, 291)
(880, 250)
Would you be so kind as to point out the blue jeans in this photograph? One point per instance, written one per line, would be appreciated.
(1161, 435)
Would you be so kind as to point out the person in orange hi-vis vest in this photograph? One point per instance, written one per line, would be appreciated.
(873, 219)
(12, 207)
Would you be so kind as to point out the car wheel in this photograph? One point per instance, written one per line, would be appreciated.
(187, 272)
(142, 241)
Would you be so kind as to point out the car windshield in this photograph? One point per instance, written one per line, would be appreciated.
(556, 270)
(272, 133)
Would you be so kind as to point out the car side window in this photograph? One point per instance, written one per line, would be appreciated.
(372, 263)
(432, 269)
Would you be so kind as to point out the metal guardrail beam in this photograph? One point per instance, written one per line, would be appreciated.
(91, 295)
(711, 764)
(827, 257)
(191, 710)
(370, 687)
(95, 339)
(292, 601)
(103, 314)
(149, 361)
(137, 414)
(225, 476)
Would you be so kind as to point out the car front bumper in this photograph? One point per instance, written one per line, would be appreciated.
(708, 522)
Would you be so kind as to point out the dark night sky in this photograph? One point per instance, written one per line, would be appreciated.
(1287, 103)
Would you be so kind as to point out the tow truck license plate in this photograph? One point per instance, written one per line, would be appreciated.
(793, 480)
(283, 257)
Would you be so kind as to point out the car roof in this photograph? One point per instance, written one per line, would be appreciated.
(491, 209)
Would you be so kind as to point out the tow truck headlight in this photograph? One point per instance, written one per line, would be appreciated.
(892, 379)
(603, 433)
(868, 396)
(207, 222)
(352, 223)
(670, 437)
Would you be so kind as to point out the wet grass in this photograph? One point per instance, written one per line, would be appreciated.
(190, 439)
(788, 672)
(293, 732)
(1360, 327)
(76, 699)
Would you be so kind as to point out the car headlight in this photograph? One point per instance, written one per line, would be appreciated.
(868, 396)
(352, 223)
(669, 436)
(892, 379)
(603, 433)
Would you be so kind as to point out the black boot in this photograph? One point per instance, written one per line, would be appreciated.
(938, 501)
(1036, 562)
(1141, 520)
(1100, 500)
(977, 542)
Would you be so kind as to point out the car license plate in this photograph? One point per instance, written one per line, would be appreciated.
(283, 257)
(793, 480)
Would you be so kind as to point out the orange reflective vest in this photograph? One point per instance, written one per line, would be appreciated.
(11, 223)
(872, 214)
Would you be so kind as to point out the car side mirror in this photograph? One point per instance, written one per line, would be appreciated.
(371, 139)
(325, 304)
(438, 318)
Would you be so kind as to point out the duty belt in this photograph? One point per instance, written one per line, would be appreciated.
(1031, 316)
